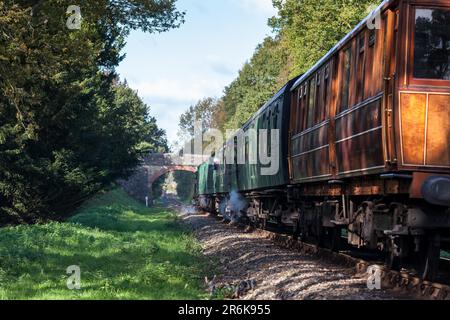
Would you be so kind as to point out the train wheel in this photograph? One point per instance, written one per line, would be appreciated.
(262, 223)
(393, 254)
(320, 232)
(335, 238)
(331, 238)
(430, 257)
(296, 231)
(392, 261)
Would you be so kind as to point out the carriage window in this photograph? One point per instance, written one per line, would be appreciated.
(247, 150)
(235, 143)
(304, 116)
(274, 127)
(345, 93)
(372, 38)
(362, 43)
(298, 111)
(317, 105)
(319, 98)
(224, 161)
(312, 102)
(325, 95)
(432, 44)
(360, 68)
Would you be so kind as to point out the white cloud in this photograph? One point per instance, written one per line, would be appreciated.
(168, 115)
(175, 70)
(222, 66)
(179, 89)
(264, 6)
(168, 99)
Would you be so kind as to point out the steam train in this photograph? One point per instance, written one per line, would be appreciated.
(364, 139)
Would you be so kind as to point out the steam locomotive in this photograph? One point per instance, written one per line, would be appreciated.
(364, 140)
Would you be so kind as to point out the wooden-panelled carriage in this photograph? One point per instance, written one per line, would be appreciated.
(362, 110)
(367, 142)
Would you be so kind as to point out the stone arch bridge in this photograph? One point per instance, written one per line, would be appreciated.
(153, 166)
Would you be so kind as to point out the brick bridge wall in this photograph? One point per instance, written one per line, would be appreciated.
(153, 166)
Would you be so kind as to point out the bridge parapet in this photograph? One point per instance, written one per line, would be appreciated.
(152, 167)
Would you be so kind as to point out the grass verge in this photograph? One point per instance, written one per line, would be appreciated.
(124, 251)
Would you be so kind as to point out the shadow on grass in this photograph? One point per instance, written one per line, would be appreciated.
(124, 250)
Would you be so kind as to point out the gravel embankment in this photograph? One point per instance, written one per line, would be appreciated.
(264, 271)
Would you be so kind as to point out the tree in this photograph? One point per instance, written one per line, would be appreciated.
(67, 129)
(309, 28)
(304, 31)
(202, 113)
(258, 80)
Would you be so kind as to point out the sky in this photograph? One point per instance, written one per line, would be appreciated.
(173, 70)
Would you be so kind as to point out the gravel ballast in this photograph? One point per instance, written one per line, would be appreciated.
(252, 267)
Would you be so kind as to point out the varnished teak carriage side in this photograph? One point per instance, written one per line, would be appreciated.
(389, 121)
(367, 150)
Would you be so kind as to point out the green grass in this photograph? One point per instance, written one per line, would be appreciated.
(124, 250)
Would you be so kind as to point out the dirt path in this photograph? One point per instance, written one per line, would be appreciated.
(265, 271)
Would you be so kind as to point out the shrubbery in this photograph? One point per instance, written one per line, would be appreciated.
(68, 127)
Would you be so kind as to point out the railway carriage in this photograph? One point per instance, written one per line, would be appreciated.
(205, 186)
(241, 174)
(365, 137)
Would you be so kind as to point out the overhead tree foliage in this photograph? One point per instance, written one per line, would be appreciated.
(67, 127)
(258, 80)
(304, 30)
(202, 114)
(198, 119)
(309, 28)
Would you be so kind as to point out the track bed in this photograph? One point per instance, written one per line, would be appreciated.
(276, 272)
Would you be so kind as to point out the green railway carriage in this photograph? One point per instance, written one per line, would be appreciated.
(212, 178)
(231, 168)
(225, 171)
(274, 115)
(218, 176)
(205, 178)
(221, 179)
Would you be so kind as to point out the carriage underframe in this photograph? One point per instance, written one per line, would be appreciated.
(406, 233)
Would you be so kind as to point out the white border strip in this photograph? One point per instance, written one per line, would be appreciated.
(312, 178)
(311, 151)
(362, 104)
(312, 129)
(360, 134)
(361, 170)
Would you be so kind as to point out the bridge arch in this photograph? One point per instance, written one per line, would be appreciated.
(152, 167)
(164, 170)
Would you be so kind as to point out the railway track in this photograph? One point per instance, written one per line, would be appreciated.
(402, 282)
(390, 279)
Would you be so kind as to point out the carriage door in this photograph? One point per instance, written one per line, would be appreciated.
(234, 172)
(390, 20)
